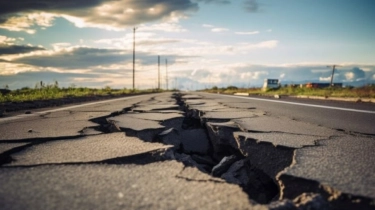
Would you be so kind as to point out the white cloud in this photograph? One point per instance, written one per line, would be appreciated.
(207, 26)
(261, 45)
(219, 29)
(247, 33)
(349, 76)
(6, 40)
(145, 41)
(282, 75)
(60, 46)
(321, 70)
(26, 21)
(169, 26)
(325, 79)
(252, 75)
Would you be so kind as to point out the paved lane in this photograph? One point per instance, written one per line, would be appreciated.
(348, 116)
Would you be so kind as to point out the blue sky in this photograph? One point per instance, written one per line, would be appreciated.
(206, 42)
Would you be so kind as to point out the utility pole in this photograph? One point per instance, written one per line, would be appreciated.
(158, 72)
(333, 72)
(166, 72)
(134, 57)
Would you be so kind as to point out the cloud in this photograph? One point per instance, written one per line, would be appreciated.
(170, 25)
(17, 49)
(145, 42)
(108, 14)
(253, 75)
(75, 57)
(6, 40)
(247, 33)
(249, 75)
(356, 74)
(207, 26)
(325, 79)
(215, 1)
(83, 59)
(219, 29)
(24, 22)
(29, 79)
(261, 45)
(251, 5)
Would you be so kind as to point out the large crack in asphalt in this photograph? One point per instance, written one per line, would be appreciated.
(223, 149)
(217, 146)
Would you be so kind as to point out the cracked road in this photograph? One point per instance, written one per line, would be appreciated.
(188, 151)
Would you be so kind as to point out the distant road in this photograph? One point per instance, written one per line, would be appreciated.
(348, 116)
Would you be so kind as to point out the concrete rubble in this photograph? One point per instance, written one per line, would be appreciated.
(181, 151)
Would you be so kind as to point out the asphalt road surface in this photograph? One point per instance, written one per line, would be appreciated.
(190, 151)
(348, 116)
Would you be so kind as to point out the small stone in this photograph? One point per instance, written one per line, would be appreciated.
(282, 205)
(237, 174)
(28, 112)
(224, 165)
(166, 132)
(30, 130)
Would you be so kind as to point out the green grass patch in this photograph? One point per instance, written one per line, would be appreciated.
(55, 92)
(347, 92)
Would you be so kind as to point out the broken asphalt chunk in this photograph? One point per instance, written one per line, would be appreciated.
(224, 165)
(85, 149)
(125, 122)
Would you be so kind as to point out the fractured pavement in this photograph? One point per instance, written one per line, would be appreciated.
(254, 158)
(86, 149)
(157, 185)
(283, 125)
(344, 163)
(57, 124)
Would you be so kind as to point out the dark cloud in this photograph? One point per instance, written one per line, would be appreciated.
(10, 7)
(251, 5)
(17, 49)
(355, 74)
(358, 74)
(78, 58)
(101, 13)
(215, 1)
(89, 58)
(29, 79)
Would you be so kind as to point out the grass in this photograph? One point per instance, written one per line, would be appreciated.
(55, 92)
(347, 92)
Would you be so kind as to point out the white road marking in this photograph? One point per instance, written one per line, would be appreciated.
(302, 104)
(64, 108)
